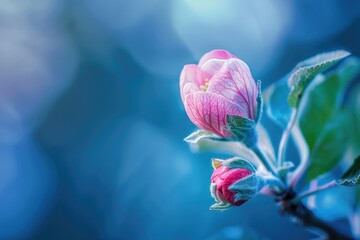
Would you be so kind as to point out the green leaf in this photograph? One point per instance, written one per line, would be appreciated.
(349, 68)
(352, 175)
(320, 109)
(198, 135)
(328, 149)
(276, 108)
(242, 129)
(352, 102)
(324, 123)
(306, 71)
(298, 80)
(354, 127)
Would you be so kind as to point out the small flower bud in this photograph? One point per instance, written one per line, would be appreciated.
(233, 182)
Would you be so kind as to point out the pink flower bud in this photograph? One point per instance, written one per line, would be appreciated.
(220, 85)
(223, 178)
(233, 182)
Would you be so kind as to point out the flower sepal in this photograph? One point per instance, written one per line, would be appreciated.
(199, 135)
(233, 163)
(259, 101)
(242, 130)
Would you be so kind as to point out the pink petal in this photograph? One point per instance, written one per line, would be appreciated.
(219, 174)
(213, 65)
(235, 176)
(235, 83)
(230, 179)
(224, 177)
(191, 74)
(188, 89)
(194, 74)
(208, 111)
(215, 54)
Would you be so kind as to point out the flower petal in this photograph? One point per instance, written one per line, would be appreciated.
(234, 82)
(194, 75)
(188, 89)
(230, 179)
(208, 111)
(213, 65)
(215, 54)
(220, 174)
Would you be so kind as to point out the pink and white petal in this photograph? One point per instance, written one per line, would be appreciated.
(235, 82)
(220, 174)
(213, 65)
(192, 73)
(187, 75)
(188, 88)
(208, 111)
(215, 54)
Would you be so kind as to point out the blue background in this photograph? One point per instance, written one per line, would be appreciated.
(91, 121)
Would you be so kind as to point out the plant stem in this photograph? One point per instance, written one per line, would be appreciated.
(304, 156)
(285, 137)
(264, 160)
(313, 191)
(308, 219)
(298, 173)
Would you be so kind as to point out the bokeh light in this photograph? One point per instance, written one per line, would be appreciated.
(92, 125)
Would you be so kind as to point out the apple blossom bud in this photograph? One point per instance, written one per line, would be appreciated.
(233, 182)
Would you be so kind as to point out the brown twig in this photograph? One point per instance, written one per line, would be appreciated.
(307, 218)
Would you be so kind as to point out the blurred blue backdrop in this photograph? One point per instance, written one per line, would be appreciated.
(91, 121)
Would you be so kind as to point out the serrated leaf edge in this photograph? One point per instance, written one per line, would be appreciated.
(352, 181)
